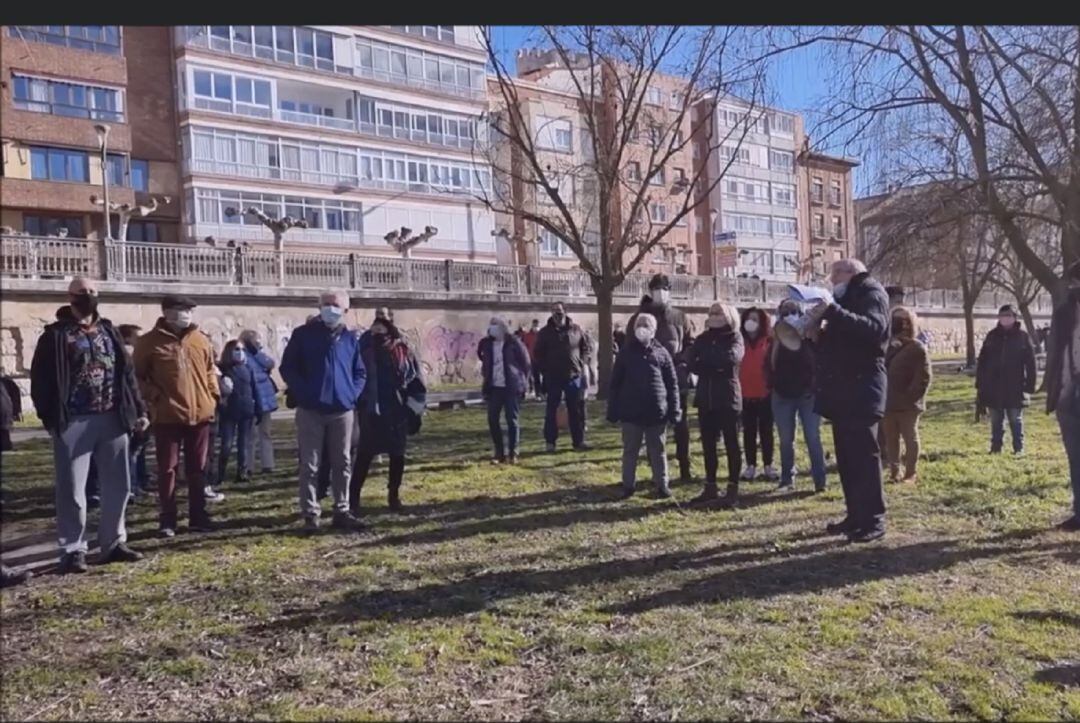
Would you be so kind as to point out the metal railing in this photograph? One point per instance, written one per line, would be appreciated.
(34, 257)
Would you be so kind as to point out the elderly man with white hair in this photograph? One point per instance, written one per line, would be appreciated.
(850, 392)
(84, 390)
(504, 363)
(324, 370)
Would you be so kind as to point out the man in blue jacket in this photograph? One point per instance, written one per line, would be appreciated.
(265, 400)
(325, 374)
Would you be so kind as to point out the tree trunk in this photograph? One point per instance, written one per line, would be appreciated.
(1025, 312)
(969, 331)
(604, 344)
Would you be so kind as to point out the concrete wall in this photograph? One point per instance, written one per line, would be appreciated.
(444, 332)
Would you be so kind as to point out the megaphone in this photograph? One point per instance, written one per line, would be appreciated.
(791, 334)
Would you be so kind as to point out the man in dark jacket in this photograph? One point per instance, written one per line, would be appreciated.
(850, 391)
(673, 331)
(1005, 377)
(265, 400)
(504, 363)
(562, 352)
(83, 387)
(325, 373)
(1063, 384)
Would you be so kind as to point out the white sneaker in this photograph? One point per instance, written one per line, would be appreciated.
(770, 474)
(749, 473)
(212, 496)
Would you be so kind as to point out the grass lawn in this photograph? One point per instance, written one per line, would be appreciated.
(527, 592)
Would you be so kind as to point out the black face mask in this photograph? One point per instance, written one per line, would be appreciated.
(558, 317)
(84, 305)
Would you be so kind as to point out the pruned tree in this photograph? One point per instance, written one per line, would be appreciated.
(599, 192)
(1012, 277)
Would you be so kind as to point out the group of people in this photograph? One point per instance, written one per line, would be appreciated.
(101, 391)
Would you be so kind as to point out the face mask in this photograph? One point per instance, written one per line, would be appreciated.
(84, 305)
(791, 318)
(331, 315)
(558, 316)
(716, 322)
(1006, 322)
(496, 331)
(751, 326)
(662, 296)
(644, 334)
(238, 356)
(179, 318)
(839, 289)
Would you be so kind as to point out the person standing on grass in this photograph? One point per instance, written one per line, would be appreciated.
(618, 337)
(174, 363)
(261, 364)
(757, 417)
(237, 411)
(83, 388)
(392, 402)
(1005, 378)
(325, 373)
(644, 399)
(529, 337)
(674, 332)
(790, 375)
(504, 365)
(1063, 384)
(907, 365)
(850, 391)
(715, 357)
(140, 475)
(10, 412)
(562, 353)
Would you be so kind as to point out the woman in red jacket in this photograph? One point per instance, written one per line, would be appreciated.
(757, 417)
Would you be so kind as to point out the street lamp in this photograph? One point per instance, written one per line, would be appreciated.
(103, 141)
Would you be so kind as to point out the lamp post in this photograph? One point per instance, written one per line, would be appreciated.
(103, 142)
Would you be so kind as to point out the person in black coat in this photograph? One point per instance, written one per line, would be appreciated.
(562, 354)
(715, 357)
(237, 410)
(644, 398)
(504, 364)
(674, 332)
(850, 392)
(1063, 384)
(1005, 377)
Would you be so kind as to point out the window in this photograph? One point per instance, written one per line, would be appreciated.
(117, 174)
(834, 192)
(143, 231)
(676, 100)
(817, 191)
(658, 177)
(554, 134)
(552, 245)
(140, 175)
(680, 175)
(68, 99)
(658, 212)
(633, 171)
(654, 96)
(819, 225)
(783, 194)
(735, 154)
(95, 38)
(837, 227)
(678, 139)
(780, 124)
(783, 226)
(780, 160)
(59, 164)
(50, 225)
(746, 223)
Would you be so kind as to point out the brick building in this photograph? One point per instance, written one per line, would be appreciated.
(827, 211)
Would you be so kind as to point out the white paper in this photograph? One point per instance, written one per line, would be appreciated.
(809, 294)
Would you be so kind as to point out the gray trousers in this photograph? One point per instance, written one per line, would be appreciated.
(103, 437)
(655, 438)
(262, 441)
(311, 429)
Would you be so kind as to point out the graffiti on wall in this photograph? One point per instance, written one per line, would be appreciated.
(450, 355)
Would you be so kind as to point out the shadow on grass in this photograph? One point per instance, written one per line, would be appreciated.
(1053, 616)
(808, 568)
(1064, 675)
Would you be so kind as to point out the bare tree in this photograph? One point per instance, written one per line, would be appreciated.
(628, 142)
(1012, 277)
(1012, 94)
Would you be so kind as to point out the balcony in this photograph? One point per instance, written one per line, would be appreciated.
(386, 76)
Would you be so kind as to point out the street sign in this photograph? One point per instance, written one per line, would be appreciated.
(725, 238)
(726, 256)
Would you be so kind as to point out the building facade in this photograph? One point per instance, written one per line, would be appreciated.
(827, 211)
(60, 85)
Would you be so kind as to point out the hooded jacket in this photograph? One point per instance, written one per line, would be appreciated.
(515, 359)
(1005, 373)
(177, 374)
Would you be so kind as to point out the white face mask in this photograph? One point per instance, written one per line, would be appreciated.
(751, 326)
(331, 315)
(644, 334)
(662, 296)
(179, 318)
(791, 318)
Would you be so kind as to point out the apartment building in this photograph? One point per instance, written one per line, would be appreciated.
(62, 83)
(827, 211)
(360, 131)
(551, 105)
(749, 225)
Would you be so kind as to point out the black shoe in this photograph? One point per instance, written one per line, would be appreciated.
(582, 447)
(843, 527)
(203, 525)
(10, 577)
(393, 501)
(121, 553)
(346, 522)
(728, 501)
(662, 494)
(93, 502)
(72, 562)
(708, 496)
(788, 486)
(1070, 525)
(624, 493)
(311, 524)
(868, 534)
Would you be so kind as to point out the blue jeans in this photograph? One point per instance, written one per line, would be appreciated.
(555, 392)
(997, 428)
(498, 401)
(784, 412)
(238, 430)
(1069, 421)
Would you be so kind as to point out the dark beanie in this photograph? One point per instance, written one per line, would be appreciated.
(660, 281)
(1007, 309)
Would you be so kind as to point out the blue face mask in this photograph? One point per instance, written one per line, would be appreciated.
(238, 356)
(331, 315)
